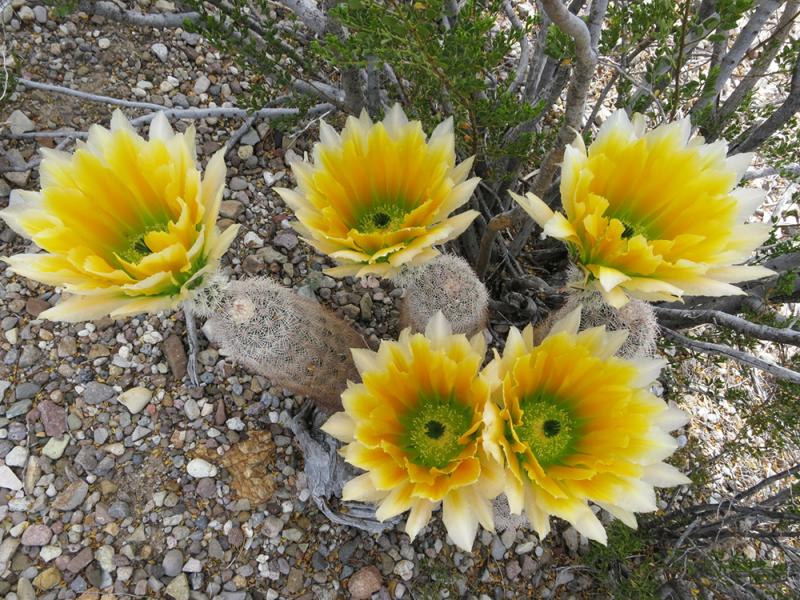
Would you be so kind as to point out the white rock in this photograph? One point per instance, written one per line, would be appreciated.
(135, 399)
(55, 447)
(17, 457)
(192, 566)
(199, 468)
(40, 12)
(8, 480)
(104, 555)
(235, 424)
(201, 85)
(160, 50)
(191, 409)
(103, 43)
(18, 122)
(26, 14)
(252, 240)
(48, 553)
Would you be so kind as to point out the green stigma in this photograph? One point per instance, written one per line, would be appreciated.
(381, 216)
(136, 248)
(633, 226)
(548, 427)
(433, 429)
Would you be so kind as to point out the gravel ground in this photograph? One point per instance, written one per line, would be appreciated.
(123, 480)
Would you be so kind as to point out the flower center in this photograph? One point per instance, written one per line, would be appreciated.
(433, 429)
(381, 216)
(136, 248)
(381, 219)
(547, 427)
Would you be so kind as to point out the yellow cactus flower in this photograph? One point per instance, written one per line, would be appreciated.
(378, 196)
(654, 215)
(126, 224)
(574, 424)
(414, 425)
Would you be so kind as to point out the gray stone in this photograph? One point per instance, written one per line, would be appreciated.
(251, 138)
(366, 307)
(160, 50)
(36, 535)
(525, 548)
(18, 408)
(96, 392)
(18, 122)
(231, 209)
(286, 239)
(273, 526)
(270, 255)
(404, 569)
(176, 356)
(24, 586)
(79, 562)
(191, 409)
(172, 563)
(86, 458)
(237, 184)
(571, 539)
(54, 448)
(9, 481)
(206, 488)
(29, 357)
(193, 566)
(26, 390)
(7, 549)
(513, 569)
(53, 417)
(135, 399)
(364, 583)
(104, 556)
(119, 510)
(26, 14)
(40, 12)
(71, 496)
(140, 432)
(17, 457)
(201, 85)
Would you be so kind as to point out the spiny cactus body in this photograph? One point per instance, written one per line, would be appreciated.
(636, 316)
(208, 300)
(288, 338)
(447, 284)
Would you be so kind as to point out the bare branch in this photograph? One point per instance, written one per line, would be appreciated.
(58, 89)
(792, 170)
(181, 113)
(38, 135)
(696, 36)
(739, 356)
(691, 318)
(524, 47)
(586, 53)
(539, 56)
(737, 51)
(754, 137)
(233, 141)
(640, 85)
(352, 83)
(794, 470)
(109, 10)
(374, 77)
(308, 12)
(760, 65)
